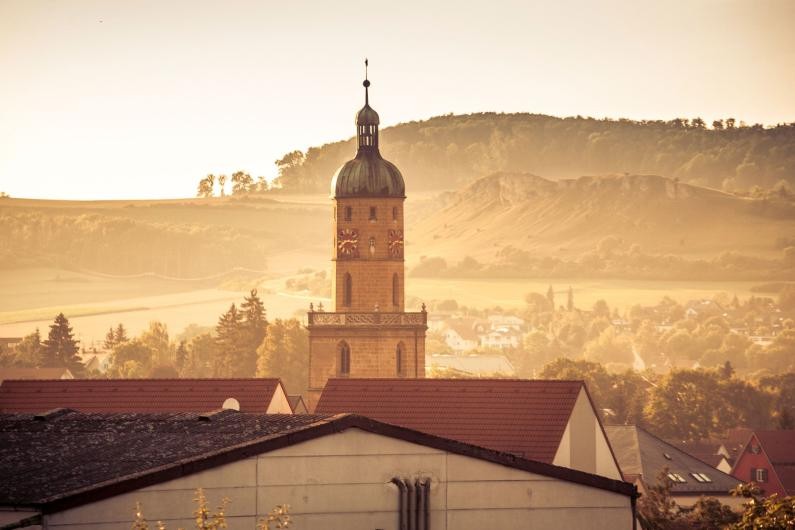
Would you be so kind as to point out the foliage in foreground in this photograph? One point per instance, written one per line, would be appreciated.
(658, 511)
(207, 519)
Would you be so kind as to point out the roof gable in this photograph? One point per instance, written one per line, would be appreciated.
(137, 395)
(524, 417)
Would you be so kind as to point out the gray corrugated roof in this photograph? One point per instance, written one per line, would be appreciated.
(641, 453)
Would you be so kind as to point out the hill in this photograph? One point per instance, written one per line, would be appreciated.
(447, 152)
(190, 238)
(620, 225)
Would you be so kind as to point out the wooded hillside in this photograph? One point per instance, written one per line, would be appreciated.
(448, 151)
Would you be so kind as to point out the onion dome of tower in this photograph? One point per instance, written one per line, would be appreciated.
(368, 174)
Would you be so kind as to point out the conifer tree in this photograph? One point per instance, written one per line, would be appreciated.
(110, 339)
(121, 334)
(228, 339)
(60, 348)
(551, 298)
(181, 356)
(254, 330)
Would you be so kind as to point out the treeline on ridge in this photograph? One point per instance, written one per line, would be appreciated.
(447, 151)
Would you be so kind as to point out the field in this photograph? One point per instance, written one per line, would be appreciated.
(93, 303)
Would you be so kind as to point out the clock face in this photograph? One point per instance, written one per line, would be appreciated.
(396, 243)
(348, 243)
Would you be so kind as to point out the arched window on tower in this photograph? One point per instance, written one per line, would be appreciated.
(394, 213)
(344, 366)
(347, 290)
(395, 289)
(399, 360)
(348, 213)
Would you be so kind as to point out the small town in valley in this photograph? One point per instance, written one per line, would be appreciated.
(578, 322)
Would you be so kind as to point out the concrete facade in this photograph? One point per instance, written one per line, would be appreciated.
(343, 481)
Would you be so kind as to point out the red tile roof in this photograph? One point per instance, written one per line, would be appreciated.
(779, 446)
(136, 395)
(516, 416)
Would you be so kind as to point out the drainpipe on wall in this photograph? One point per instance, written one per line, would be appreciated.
(402, 508)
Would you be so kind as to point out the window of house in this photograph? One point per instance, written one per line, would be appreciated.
(677, 478)
(759, 475)
(345, 359)
(372, 213)
(701, 477)
(347, 290)
(348, 213)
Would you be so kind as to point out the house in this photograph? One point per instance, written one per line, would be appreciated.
(297, 404)
(469, 365)
(89, 470)
(145, 395)
(734, 441)
(643, 456)
(711, 452)
(506, 321)
(768, 458)
(460, 335)
(548, 421)
(8, 343)
(502, 338)
(35, 373)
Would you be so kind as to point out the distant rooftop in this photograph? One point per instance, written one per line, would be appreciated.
(137, 395)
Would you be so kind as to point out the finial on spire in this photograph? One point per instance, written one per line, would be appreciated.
(366, 83)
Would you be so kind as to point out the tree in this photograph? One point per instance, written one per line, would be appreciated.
(228, 339)
(120, 336)
(254, 328)
(717, 125)
(157, 340)
(601, 309)
(551, 298)
(570, 300)
(60, 348)
(110, 339)
(241, 183)
(202, 353)
(609, 347)
(28, 353)
(221, 183)
(284, 353)
(131, 358)
(760, 512)
(205, 188)
(180, 356)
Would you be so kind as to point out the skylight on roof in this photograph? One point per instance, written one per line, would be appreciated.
(701, 477)
(677, 478)
(667, 456)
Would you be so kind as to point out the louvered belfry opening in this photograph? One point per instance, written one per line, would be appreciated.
(414, 509)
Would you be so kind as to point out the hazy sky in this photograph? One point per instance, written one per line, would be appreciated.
(123, 99)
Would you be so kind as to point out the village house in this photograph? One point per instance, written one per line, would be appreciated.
(258, 395)
(76, 470)
(548, 421)
(643, 457)
(768, 458)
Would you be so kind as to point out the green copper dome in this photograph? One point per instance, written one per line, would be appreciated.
(368, 175)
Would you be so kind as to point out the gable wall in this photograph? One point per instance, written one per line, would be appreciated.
(342, 481)
(584, 445)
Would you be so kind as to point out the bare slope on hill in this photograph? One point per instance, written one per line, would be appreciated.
(567, 218)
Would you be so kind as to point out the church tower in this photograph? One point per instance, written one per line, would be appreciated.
(367, 333)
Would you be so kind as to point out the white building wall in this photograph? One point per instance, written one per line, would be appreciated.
(583, 445)
(279, 403)
(342, 482)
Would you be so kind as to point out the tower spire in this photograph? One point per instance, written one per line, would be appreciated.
(366, 83)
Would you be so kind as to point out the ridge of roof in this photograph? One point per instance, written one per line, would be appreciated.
(309, 427)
